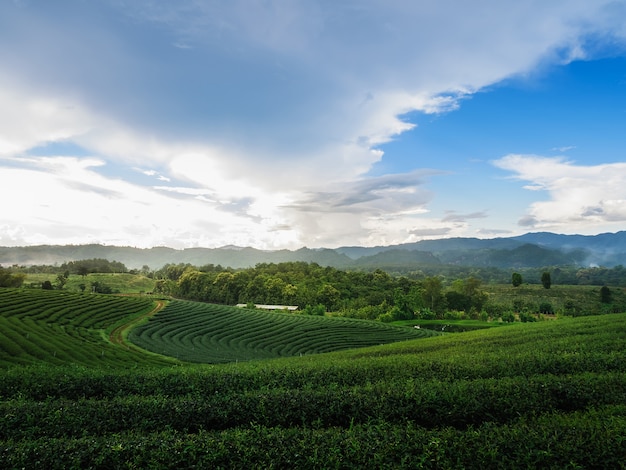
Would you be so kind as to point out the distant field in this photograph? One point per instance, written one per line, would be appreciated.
(198, 332)
(124, 283)
(586, 299)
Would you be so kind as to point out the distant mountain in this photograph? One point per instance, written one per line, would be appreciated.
(155, 258)
(605, 249)
(397, 258)
(529, 250)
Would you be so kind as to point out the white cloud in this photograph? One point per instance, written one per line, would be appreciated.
(80, 205)
(261, 120)
(29, 119)
(580, 197)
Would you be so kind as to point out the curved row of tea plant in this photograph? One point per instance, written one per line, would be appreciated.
(209, 333)
(577, 440)
(541, 395)
(66, 328)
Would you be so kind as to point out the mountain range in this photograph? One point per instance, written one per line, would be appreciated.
(524, 251)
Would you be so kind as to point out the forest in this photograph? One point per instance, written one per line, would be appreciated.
(446, 293)
(378, 295)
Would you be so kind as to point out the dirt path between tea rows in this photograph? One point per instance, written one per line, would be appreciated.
(117, 335)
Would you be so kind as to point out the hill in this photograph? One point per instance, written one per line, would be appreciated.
(57, 327)
(526, 251)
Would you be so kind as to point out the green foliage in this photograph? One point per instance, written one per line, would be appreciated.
(94, 265)
(546, 308)
(9, 279)
(546, 280)
(426, 314)
(516, 279)
(199, 332)
(605, 295)
(542, 395)
(56, 327)
(508, 317)
(570, 308)
(526, 317)
(318, 310)
(101, 288)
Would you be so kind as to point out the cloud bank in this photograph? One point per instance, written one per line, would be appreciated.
(581, 196)
(260, 123)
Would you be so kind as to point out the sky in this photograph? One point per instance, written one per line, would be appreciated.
(279, 124)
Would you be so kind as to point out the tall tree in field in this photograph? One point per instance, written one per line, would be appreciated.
(516, 279)
(546, 280)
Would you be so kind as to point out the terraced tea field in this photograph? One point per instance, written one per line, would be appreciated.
(56, 327)
(547, 395)
(38, 326)
(198, 332)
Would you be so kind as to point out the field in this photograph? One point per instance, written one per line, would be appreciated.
(535, 395)
(38, 326)
(583, 299)
(198, 332)
(123, 283)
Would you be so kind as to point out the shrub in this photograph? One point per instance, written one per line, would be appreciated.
(454, 315)
(526, 317)
(495, 310)
(508, 317)
(426, 314)
(546, 308)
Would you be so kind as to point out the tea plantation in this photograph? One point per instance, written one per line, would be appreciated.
(548, 394)
(199, 332)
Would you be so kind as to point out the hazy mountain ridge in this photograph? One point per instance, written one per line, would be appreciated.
(529, 250)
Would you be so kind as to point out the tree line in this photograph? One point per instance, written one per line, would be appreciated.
(316, 290)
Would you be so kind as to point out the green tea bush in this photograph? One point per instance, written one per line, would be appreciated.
(592, 439)
(528, 395)
(209, 333)
(57, 327)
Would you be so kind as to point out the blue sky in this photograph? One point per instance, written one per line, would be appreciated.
(285, 123)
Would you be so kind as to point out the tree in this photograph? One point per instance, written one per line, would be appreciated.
(546, 281)
(605, 295)
(11, 280)
(516, 279)
(46, 285)
(432, 291)
(472, 289)
(458, 301)
(61, 280)
(328, 296)
(82, 270)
